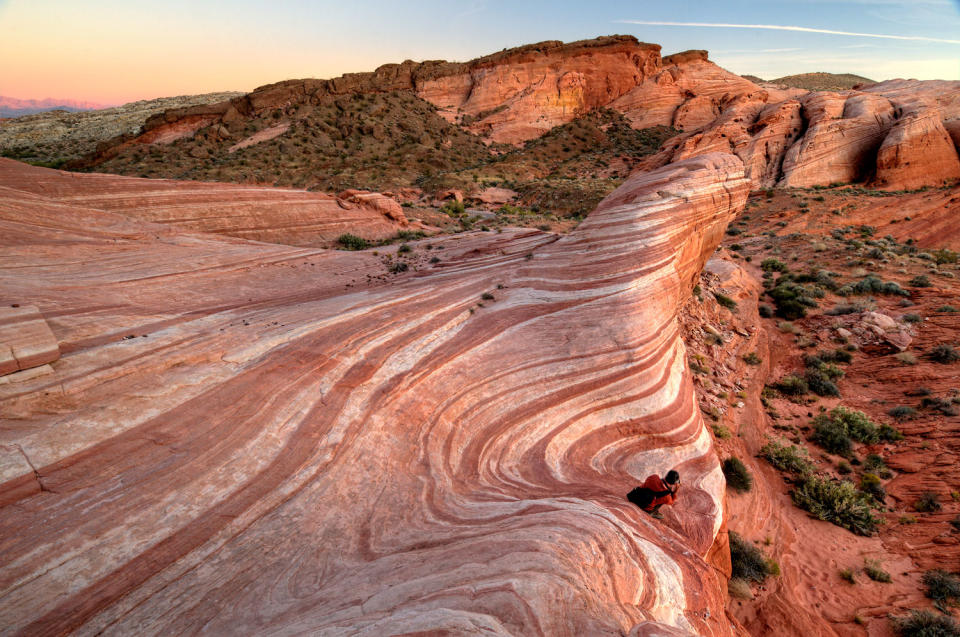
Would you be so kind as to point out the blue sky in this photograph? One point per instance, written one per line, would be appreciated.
(113, 51)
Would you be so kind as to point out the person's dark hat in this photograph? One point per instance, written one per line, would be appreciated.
(672, 477)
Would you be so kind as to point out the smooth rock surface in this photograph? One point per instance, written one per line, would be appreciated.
(252, 438)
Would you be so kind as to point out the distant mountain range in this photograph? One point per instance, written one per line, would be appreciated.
(817, 81)
(13, 107)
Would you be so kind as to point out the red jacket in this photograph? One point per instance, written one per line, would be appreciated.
(655, 483)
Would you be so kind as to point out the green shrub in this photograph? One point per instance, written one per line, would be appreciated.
(905, 358)
(848, 575)
(874, 571)
(920, 281)
(944, 354)
(737, 475)
(748, 561)
(944, 255)
(835, 430)
(725, 301)
(792, 385)
(765, 310)
(410, 235)
(352, 242)
(902, 412)
(820, 384)
(837, 502)
(912, 318)
(928, 502)
(942, 587)
(453, 208)
(786, 457)
(752, 359)
(398, 267)
(947, 308)
(888, 433)
(870, 483)
(925, 623)
(773, 265)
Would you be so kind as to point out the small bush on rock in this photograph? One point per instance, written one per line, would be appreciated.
(737, 475)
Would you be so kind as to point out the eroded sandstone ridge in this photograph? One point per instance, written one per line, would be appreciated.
(291, 217)
(243, 437)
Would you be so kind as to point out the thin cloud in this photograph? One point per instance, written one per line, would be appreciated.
(781, 27)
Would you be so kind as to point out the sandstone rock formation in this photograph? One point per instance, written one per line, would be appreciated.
(25, 340)
(291, 217)
(255, 438)
(892, 135)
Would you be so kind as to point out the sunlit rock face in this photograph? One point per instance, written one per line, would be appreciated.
(276, 215)
(892, 135)
(247, 438)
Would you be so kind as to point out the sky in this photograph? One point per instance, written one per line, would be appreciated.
(116, 51)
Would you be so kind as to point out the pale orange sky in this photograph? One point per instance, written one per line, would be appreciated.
(115, 51)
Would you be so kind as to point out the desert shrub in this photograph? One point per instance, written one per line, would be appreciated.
(737, 475)
(787, 327)
(837, 502)
(847, 575)
(786, 457)
(410, 235)
(942, 587)
(912, 318)
(721, 432)
(928, 502)
(398, 267)
(752, 359)
(888, 433)
(791, 385)
(944, 255)
(748, 561)
(725, 301)
(820, 384)
(906, 358)
(404, 248)
(941, 405)
(844, 468)
(739, 588)
(765, 310)
(453, 208)
(871, 284)
(925, 623)
(870, 483)
(790, 299)
(835, 356)
(773, 265)
(902, 412)
(874, 571)
(920, 281)
(944, 354)
(875, 464)
(835, 430)
(352, 242)
(947, 308)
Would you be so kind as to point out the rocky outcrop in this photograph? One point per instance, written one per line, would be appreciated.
(25, 340)
(59, 136)
(918, 152)
(892, 135)
(291, 217)
(261, 438)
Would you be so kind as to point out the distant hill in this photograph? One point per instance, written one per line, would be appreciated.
(14, 107)
(753, 78)
(52, 138)
(820, 81)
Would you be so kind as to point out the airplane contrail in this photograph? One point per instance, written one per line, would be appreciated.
(783, 27)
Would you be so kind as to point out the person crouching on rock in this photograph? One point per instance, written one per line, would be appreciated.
(655, 492)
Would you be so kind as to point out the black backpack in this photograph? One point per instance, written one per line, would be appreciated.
(642, 496)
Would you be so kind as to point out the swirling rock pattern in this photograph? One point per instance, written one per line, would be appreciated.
(244, 438)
